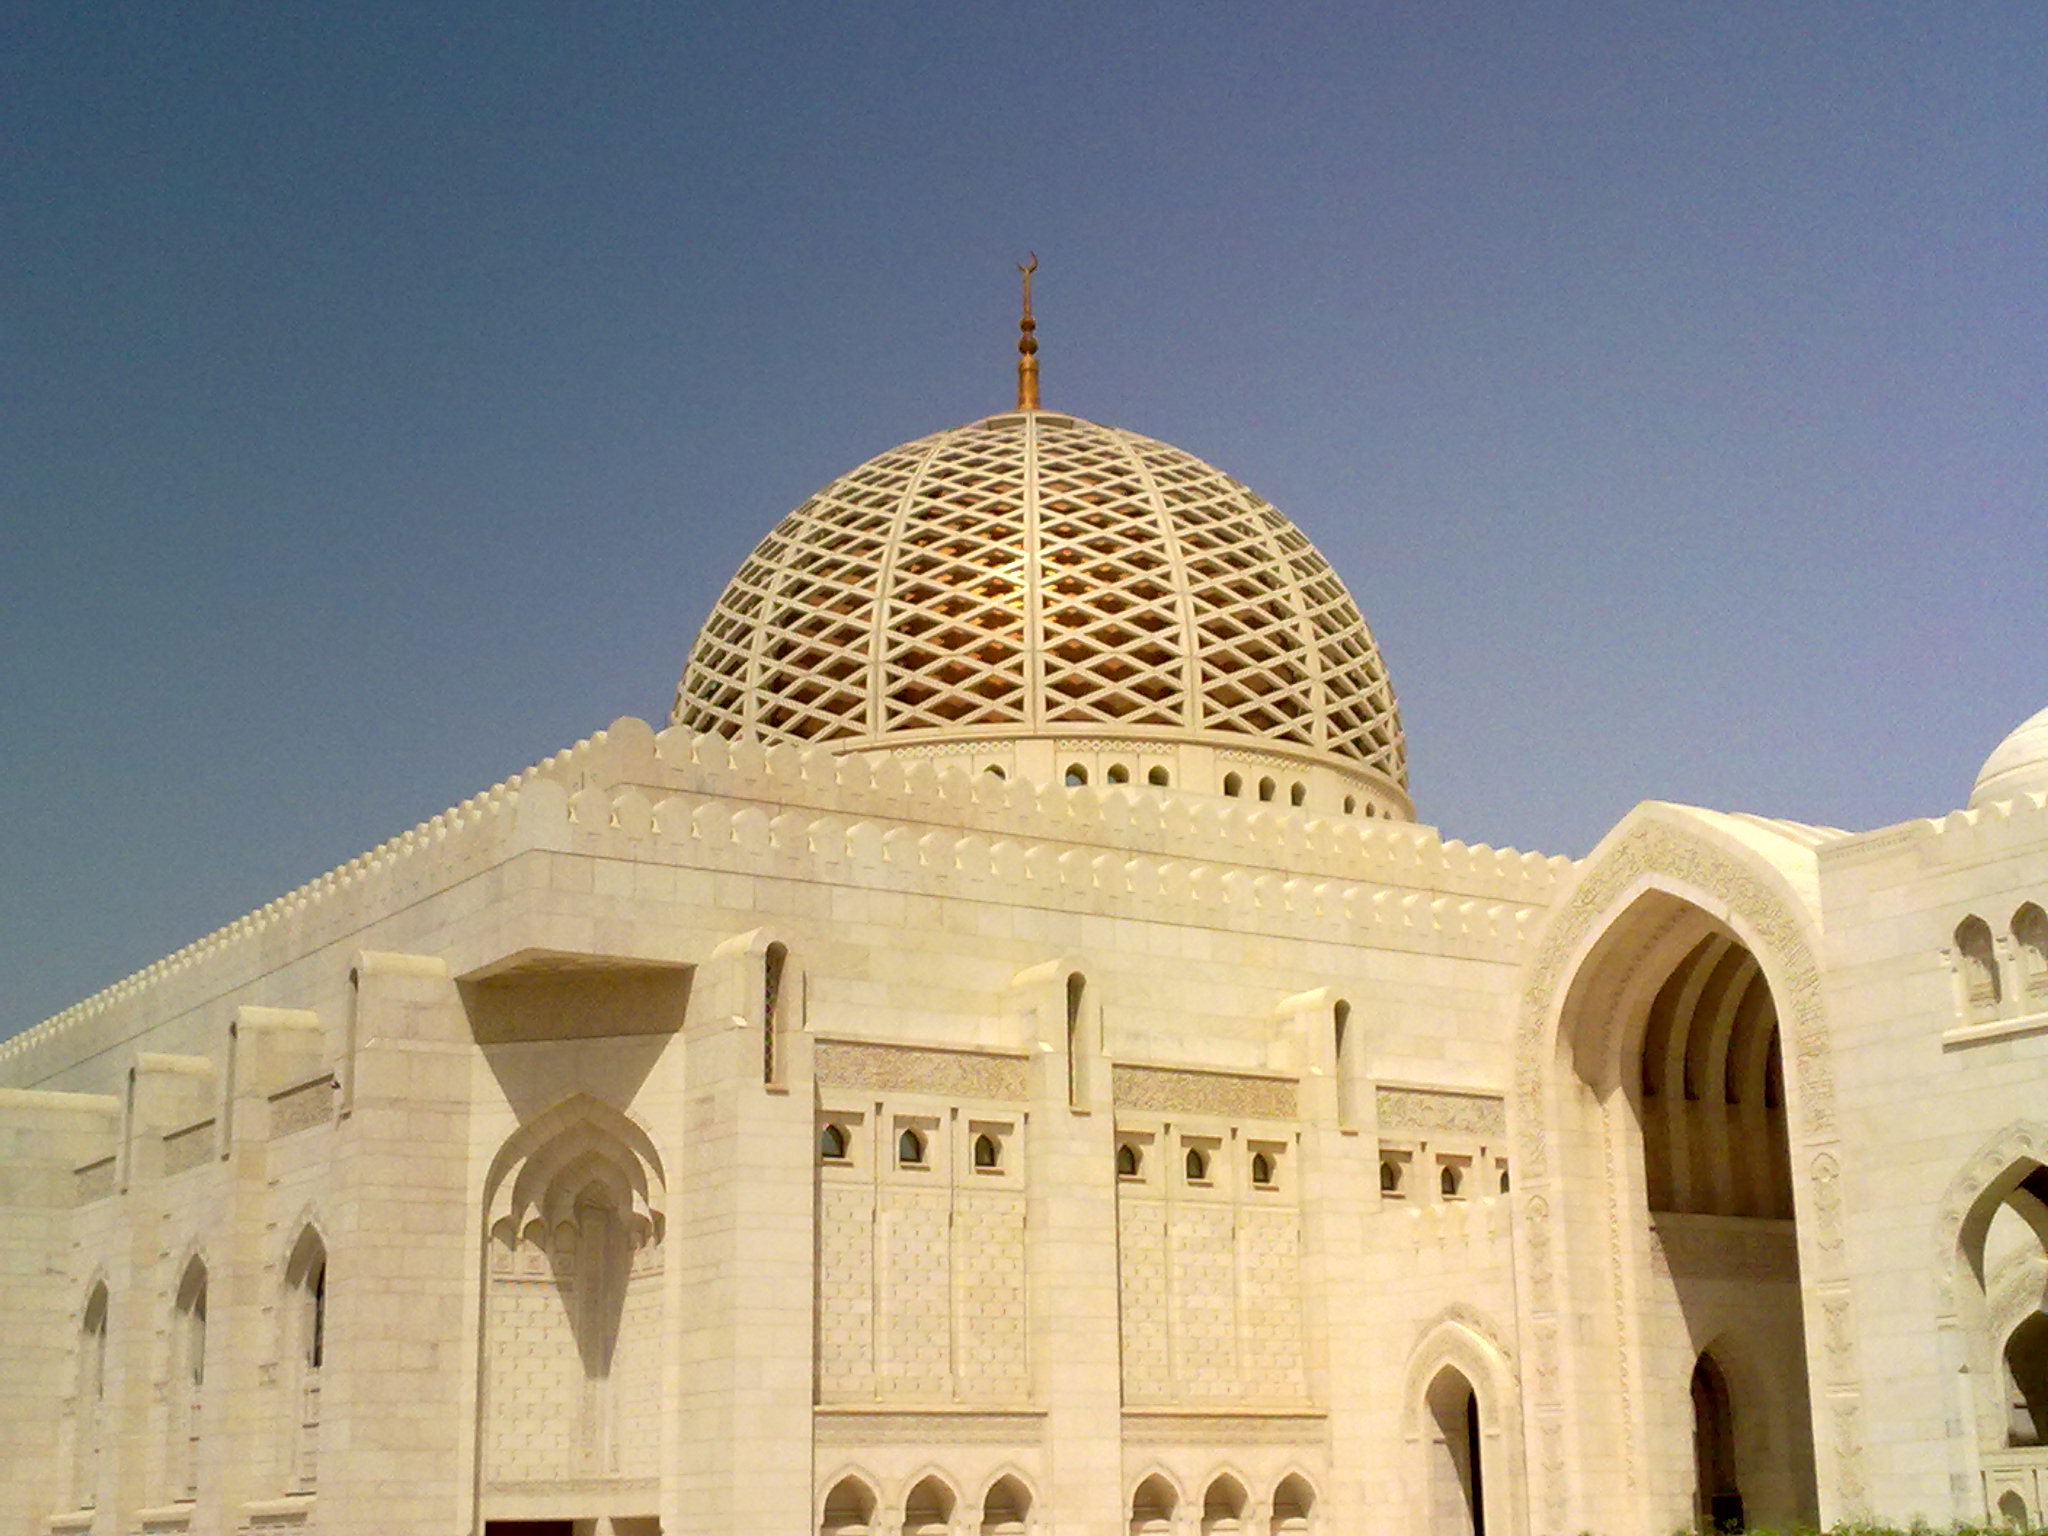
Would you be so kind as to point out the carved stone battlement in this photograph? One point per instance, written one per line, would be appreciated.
(627, 793)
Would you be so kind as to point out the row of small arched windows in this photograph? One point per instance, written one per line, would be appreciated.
(185, 1363)
(913, 1148)
(1267, 789)
(1195, 1165)
(929, 1508)
(1226, 1506)
(1117, 773)
(1451, 1177)
(1984, 963)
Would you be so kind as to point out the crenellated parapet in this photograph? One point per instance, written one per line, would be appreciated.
(627, 793)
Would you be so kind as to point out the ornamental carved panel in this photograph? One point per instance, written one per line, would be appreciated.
(1428, 1109)
(1173, 1090)
(913, 1069)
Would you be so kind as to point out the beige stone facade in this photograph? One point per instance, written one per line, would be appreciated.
(1008, 1061)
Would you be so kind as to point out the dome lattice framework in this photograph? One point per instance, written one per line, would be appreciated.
(1034, 574)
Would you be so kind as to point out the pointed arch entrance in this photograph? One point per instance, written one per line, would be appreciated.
(1671, 1258)
(1463, 1417)
(1994, 1277)
(1718, 1491)
(1457, 1462)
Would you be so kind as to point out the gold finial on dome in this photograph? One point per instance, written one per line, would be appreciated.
(1027, 345)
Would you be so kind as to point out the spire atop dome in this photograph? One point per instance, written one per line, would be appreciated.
(1027, 345)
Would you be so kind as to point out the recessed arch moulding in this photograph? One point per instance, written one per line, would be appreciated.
(1632, 1270)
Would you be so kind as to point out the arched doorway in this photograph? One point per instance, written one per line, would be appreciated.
(1457, 1473)
(1713, 1449)
(2000, 1280)
(1676, 1146)
(2026, 1374)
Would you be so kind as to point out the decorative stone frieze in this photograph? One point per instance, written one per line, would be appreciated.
(913, 1069)
(302, 1106)
(1440, 1110)
(1176, 1091)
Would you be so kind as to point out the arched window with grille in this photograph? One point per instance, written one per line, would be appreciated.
(88, 1419)
(305, 1344)
(186, 1420)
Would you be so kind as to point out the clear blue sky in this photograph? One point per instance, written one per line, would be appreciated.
(391, 388)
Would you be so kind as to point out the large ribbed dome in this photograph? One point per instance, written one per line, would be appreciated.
(1033, 575)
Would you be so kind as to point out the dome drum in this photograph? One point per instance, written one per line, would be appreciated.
(1235, 768)
(1033, 577)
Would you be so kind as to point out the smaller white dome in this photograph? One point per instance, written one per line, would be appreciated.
(2017, 766)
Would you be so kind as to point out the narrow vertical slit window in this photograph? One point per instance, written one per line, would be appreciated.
(1341, 1050)
(772, 965)
(1077, 992)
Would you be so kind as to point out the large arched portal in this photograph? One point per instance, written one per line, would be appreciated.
(1677, 1145)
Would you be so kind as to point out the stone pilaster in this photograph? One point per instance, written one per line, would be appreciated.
(1072, 1222)
(44, 1137)
(399, 1387)
(251, 1442)
(742, 1226)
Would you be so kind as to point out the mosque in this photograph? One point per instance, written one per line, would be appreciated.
(1005, 1058)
